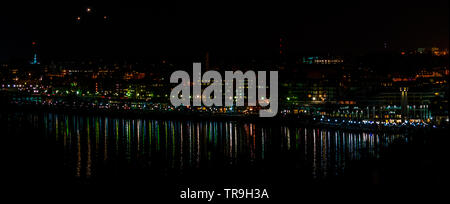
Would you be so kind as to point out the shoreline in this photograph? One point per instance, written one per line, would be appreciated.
(307, 121)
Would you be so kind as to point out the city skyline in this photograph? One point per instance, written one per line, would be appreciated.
(226, 99)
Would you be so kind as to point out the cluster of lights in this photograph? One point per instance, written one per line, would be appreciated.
(89, 10)
(368, 122)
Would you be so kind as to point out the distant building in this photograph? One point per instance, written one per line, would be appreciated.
(322, 60)
(434, 51)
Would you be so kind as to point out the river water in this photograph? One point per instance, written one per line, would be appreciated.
(95, 146)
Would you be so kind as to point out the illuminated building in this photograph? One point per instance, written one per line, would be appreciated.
(321, 60)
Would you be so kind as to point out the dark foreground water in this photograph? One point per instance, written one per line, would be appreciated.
(67, 150)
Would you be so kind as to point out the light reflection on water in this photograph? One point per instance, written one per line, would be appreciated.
(90, 141)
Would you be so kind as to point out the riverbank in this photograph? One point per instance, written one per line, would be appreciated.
(289, 120)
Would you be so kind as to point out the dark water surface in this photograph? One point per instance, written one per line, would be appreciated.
(67, 149)
(89, 144)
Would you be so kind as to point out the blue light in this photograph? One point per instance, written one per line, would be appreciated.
(35, 59)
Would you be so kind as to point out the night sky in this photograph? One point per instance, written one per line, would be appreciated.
(224, 28)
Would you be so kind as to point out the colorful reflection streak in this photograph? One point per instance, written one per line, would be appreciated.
(91, 142)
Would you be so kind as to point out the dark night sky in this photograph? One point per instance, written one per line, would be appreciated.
(225, 28)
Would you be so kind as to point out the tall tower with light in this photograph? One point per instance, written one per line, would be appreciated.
(404, 103)
(35, 55)
(207, 60)
(283, 54)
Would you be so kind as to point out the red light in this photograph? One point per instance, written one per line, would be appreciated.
(34, 43)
